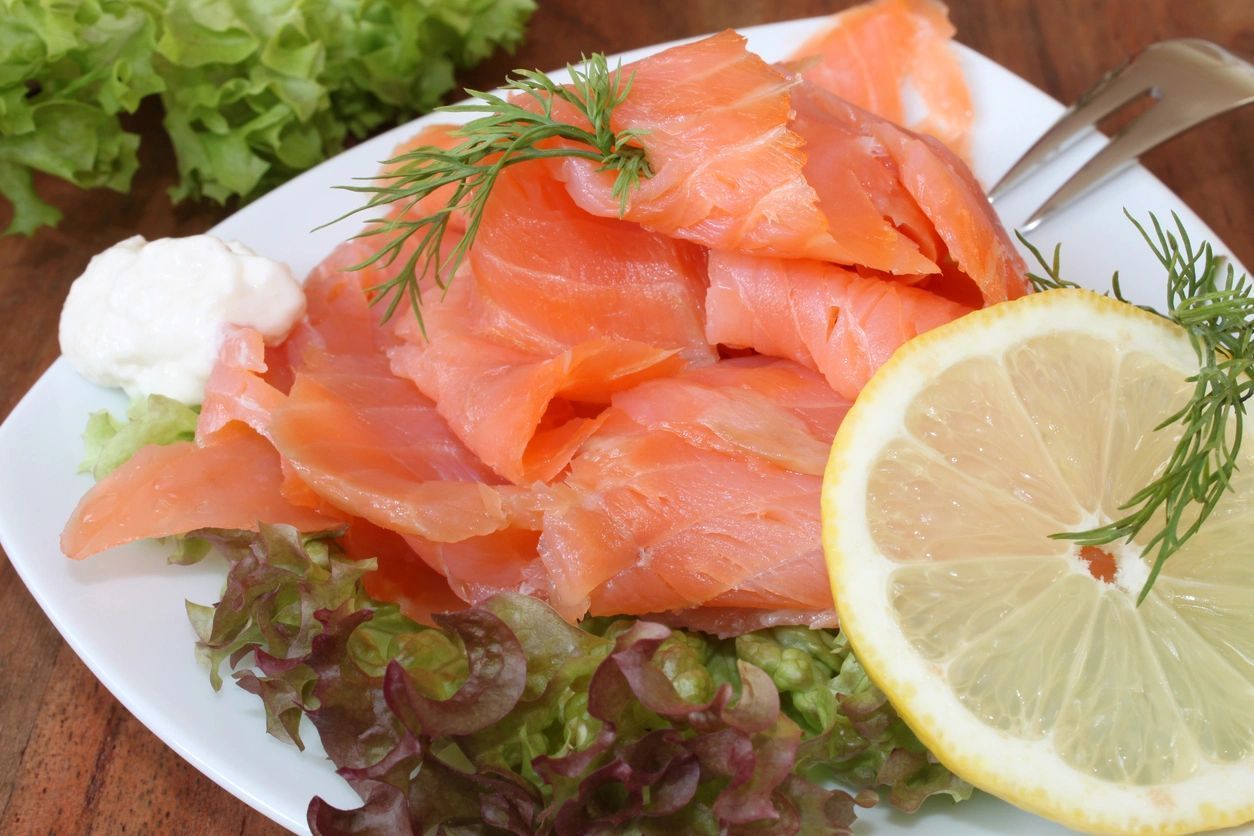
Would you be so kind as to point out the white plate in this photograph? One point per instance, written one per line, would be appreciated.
(123, 612)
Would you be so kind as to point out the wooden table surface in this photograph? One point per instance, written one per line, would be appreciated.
(71, 758)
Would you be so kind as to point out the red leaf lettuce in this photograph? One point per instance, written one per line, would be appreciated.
(506, 719)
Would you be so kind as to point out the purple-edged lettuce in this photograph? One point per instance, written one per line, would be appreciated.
(506, 719)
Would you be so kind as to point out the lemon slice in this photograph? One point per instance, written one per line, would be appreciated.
(1023, 662)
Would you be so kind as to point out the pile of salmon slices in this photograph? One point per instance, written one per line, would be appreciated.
(620, 411)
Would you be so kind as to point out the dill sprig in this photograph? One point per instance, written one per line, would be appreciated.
(506, 134)
(1216, 310)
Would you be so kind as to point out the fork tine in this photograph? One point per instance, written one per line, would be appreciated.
(1199, 80)
(1118, 87)
(1154, 127)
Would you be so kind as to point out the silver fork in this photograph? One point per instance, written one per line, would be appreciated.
(1191, 81)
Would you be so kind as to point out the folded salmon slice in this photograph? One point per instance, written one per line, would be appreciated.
(232, 477)
(402, 576)
(237, 389)
(686, 507)
(919, 187)
(340, 315)
(250, 379)
(858, 185)
(549, 276)
(557, 311)
(526, 414)
(232, 480)
(479, 567)
(370, 446)
(373, 446)
(752, 407)
(820, 315)
(874, 54)
(728, 169)
(955, 203)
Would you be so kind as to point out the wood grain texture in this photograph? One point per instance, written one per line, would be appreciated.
(72, 760)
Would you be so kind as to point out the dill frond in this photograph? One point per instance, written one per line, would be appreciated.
(505, 134)
(1216, 309)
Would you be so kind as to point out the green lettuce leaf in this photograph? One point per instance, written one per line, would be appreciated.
(254, 91)
(156, 419)
(66, 71)
(505, 718)
(259, 91)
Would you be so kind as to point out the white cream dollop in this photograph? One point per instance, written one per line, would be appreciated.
(150, 316)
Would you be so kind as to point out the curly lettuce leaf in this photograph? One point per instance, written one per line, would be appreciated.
(254, 91)
(853, 733)
(66, 71)
(259, 91)
(156, 419)
(505, 718)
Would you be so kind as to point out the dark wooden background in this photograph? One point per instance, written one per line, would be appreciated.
(72, 760)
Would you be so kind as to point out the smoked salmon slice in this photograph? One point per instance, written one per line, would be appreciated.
(251, 380)
(237, 389)
(728, 170)
(232, 480)
(348, 401)
(872, 54)
(550, 276)
(231, 477)
(919, 185)
(954, 202)
(339, 316)
(479, 567)
(402, 576)
(754, 407)
(526, 414)
(373, 446)
(557, 311)
(820, 315)
(859, 188)
(691, 508)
